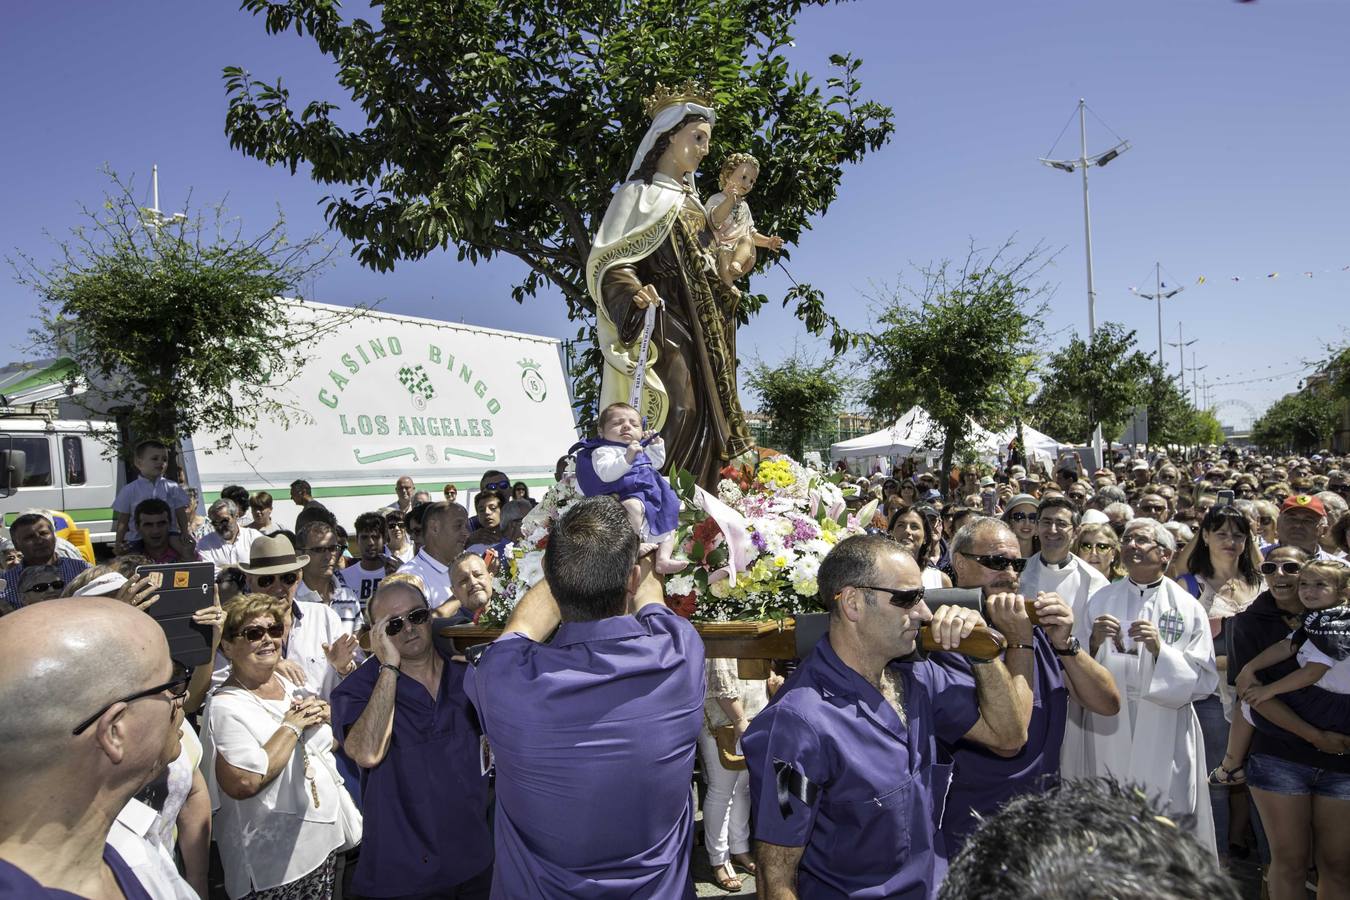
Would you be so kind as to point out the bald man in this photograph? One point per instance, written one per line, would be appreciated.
(92, 708)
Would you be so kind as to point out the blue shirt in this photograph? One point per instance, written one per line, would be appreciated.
(983, 780)
(425, 804)
(594, 736)
(16, 883)
(862, 791)
(67, 566)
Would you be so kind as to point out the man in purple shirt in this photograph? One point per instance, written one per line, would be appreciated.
(92, 708)
(847, 775)
(404, 719)
(593, 732)
(1047, 659)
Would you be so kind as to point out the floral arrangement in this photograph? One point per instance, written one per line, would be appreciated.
(781, 520)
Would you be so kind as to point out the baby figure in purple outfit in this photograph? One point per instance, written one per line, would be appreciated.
(626, 461)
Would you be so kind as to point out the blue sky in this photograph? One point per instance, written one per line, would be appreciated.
(1239, 114)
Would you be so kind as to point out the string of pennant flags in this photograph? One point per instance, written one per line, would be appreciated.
(1269, 276)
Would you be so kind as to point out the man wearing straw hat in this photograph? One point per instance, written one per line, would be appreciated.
(316, 645)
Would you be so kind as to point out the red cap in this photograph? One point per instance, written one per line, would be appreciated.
(1304, 502)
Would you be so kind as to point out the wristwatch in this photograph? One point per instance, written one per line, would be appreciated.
(1070, 649)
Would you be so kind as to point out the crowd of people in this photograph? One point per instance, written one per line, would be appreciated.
(1173, 684)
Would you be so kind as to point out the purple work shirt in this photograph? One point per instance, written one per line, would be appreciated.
(16, 883)
(983, 781)
(593, 735)
(425, 804)
(862, 792)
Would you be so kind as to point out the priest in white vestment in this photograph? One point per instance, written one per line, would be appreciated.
(1154, 638)
(1056, 570)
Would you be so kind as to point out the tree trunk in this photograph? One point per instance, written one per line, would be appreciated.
(948, 451)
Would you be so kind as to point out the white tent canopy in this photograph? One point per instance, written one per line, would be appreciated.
(913, 432)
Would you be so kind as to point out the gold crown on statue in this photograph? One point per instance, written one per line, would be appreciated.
(689, 92)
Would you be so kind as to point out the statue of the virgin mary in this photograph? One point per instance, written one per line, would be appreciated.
(654, 248)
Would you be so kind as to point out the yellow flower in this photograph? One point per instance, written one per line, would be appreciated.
(780, 561)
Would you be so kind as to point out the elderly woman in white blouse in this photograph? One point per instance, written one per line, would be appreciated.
(281, 813)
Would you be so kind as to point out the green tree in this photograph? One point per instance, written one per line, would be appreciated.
(1090, 384)
(501, 126)
(956, 344)
(1301, 422)
(1170, 414)
(175, 321)
(802, 399)
(1205, 427)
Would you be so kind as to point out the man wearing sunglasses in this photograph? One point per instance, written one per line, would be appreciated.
(594, 732)
(1154, 638)
(91, 716)
(847, 775)
(229, 542)
(401, 716)
(1045, 660)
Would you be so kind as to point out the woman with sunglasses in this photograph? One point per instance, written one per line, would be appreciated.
(1020, 515)
(282, 812)
(1099, 547)
(912, 529)
(1300, 778)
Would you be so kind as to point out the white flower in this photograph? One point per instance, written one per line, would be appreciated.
(531, 568)
(720, 589)
(729, 492)
(679, 585)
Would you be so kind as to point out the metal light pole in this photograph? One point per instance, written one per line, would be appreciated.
(1181, 355)
(151, 215)
(1195, 372)
(1159, 295)
(1083, 162)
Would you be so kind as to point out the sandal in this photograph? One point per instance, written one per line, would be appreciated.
(745, 862)
(726, 879)
(1222, 777)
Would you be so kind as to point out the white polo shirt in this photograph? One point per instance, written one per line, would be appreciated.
(433, 574)
(213, 548)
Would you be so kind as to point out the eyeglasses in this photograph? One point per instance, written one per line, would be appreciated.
(177, 686)
(326, 548)
(1103, 547)
(219, 524)
(1284, 568)
(414, 618)
(905, 599)
(46, 586)
(396, 526)
(1023, 517)
(1143, 542)
(997, 563)
(497, 486)
(254, 633)
(1075, 495)
(287, 579)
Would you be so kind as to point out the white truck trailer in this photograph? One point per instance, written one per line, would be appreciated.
(380, 396)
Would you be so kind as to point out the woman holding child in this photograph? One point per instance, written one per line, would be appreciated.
(1299, 764)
